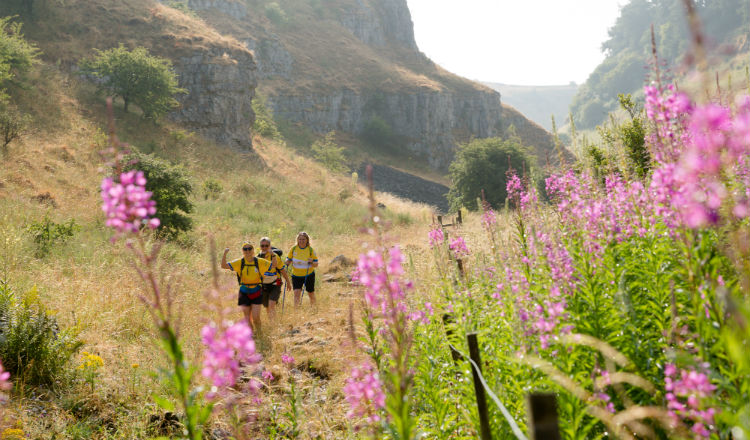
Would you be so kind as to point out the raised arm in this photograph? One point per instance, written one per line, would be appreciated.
(224, 264)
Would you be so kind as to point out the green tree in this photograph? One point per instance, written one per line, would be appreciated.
(329, 154)
(17, 55)
(171, 190)
(483, 164)
(137, 77)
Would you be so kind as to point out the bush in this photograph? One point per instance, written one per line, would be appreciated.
(13, 124)
(182, 6)
(47, 233)
(16, 54)
(482, 164)
(136, 77)
(377, 132)
(329, 154)
(276, 13)
(264, 124)
(32, 346)
(170, 188)
(212, 189)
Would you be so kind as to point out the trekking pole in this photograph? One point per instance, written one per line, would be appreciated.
(304, 283)
(283, 294)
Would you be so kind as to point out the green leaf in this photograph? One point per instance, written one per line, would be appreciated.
(163, 402)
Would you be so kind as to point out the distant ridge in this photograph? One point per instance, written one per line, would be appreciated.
(538, 103)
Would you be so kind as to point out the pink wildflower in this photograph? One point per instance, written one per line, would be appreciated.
(5, 384)
(287, 359)
(686, 390)
(127, 204)
(436, 236)
(458, 246)
(364, 392)
(225, 349)
(384, 289)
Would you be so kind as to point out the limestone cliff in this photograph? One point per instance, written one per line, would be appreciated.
(335, 65)
(220, 91)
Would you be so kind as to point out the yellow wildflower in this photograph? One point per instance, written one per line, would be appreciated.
(12, 434)
(91, 360)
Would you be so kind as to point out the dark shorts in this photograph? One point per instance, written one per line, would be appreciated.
(250, 296)
(271, 292)
(297, 282)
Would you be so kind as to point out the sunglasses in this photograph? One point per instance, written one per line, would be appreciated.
(247, 249)
(265, 245)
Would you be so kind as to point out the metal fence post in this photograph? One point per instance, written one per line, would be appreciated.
(484, 417)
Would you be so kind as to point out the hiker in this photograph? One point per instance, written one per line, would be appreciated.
(271, 280)
(248, 269)
(303, 261)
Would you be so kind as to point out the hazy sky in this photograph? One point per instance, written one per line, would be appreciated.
(530, 42)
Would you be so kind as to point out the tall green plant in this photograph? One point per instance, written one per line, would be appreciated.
(33, 347)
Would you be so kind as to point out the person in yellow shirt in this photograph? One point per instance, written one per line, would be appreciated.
(249, 270)
(303, 262)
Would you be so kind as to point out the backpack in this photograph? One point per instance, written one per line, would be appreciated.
(242, 268)
(277, 251)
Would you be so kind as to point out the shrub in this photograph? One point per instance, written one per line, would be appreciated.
(377, 132)
(170, 188)
(182, 6)
(276, 13)
(212, 189)
(33, 348)
(16, 54)
(46, 233)
(329, 154)
(482, 164)
(136, 77)
(12, 125)
(264, 124)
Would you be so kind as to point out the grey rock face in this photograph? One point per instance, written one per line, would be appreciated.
(376, 23)
(234, 9)
(428, 122)
(271, 57)
(220, 87)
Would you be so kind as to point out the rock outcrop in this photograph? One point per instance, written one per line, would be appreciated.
(380, 22)
(429, 123)
(232, 8)
(221, 85)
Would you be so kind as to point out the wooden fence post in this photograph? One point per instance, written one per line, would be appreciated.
(448, 319)
(460, 220)
(543, 423)
(484, 417)
(460, 264)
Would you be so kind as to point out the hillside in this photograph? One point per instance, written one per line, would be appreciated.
(725, 27)
(338, 65)
(538, 103)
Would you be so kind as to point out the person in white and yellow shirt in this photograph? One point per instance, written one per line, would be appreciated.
(249, 270)
(272, 279)
(303, 261)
